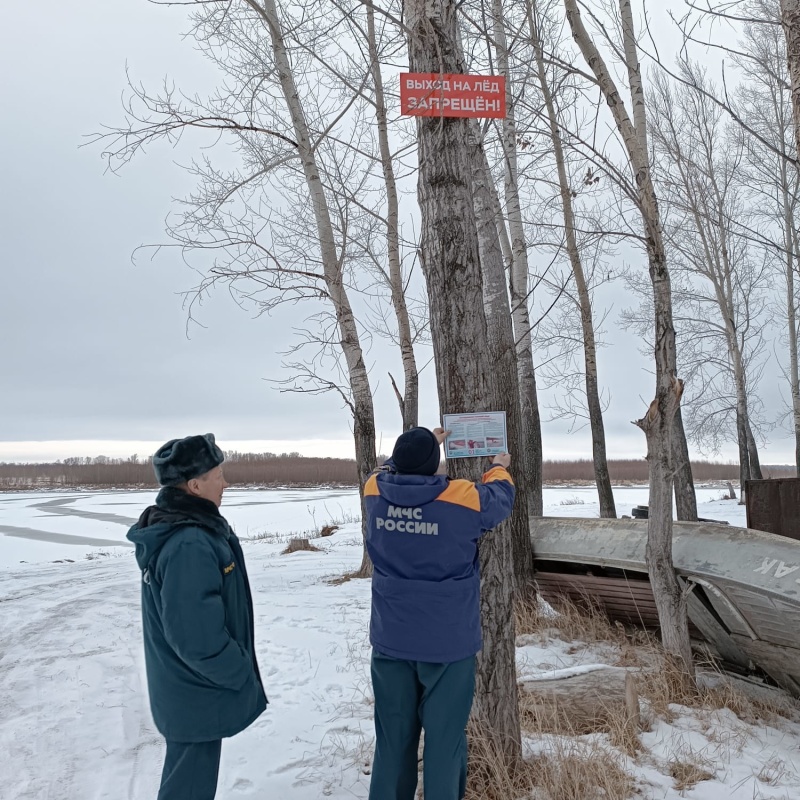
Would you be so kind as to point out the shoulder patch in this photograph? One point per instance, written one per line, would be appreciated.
(461, 493)
(371, 486)
(229, 568)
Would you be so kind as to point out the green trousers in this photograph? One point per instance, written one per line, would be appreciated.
(411, 696)
(190, 771)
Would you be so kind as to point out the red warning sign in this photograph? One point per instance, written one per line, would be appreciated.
(424, 94)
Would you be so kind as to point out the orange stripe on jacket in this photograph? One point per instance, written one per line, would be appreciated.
(371, 486)
(497, 473)
(461, 492)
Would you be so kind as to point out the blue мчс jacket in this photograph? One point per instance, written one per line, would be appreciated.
(197, 616)
(422, 537)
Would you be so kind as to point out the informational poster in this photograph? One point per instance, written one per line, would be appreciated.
(473, 435)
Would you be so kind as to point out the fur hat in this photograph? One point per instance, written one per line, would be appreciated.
(416, 452)
(180, 460)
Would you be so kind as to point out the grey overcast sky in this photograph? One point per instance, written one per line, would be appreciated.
(94, 356)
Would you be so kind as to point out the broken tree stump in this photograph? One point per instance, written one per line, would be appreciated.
(601, 699)
(296, 545)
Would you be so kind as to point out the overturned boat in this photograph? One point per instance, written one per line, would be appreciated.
(743, 584)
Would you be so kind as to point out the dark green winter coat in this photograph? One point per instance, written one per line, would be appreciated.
(197, 615)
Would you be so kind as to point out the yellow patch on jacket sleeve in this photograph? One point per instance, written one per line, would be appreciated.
(461, 493)
(229, 568)
(497, 473)
(371, 487)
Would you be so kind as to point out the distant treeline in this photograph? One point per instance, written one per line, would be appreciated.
(241, 469)
(635, 470)
(292, 469)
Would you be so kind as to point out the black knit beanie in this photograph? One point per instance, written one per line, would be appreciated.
(416, 452)
(180, 460)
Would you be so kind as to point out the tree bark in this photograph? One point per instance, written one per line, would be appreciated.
(744, 456)
(599, 457)
(752, 451)
(790, 21)
(683, 482)
(659, 421)
(362, 407)
(410, 396)
(466, 379)
(790, 241)
(501, 347)
(520, 299)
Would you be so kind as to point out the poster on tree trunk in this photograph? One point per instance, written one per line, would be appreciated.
(474, 435)
(428, 94)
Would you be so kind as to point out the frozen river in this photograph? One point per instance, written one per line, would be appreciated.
(52, 526)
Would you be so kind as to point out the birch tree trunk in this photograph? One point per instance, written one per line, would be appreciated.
(658, 423)
(465, 376)
(599, 457)
(520, 300)
(362, 406)
(791, 313)
(409, 400)
(790, 21)
(683, 481)
(794, 373)
(501, 347)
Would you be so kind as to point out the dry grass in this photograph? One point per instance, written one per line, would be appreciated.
(297, 545)
(687, 774)
(662, 685)
(584, 622)
(774, 772)
(564, 769)
(621, 728)
(665, 688)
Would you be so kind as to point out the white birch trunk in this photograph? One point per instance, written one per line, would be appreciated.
(790, 21)
(791, 312)
(531, 417)
(501, 347)
(599, 458)
(658, 423)
(363, 412)
(409, 401)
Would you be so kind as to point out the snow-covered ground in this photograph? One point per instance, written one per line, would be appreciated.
(74, 720)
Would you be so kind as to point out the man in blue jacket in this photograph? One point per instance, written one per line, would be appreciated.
(422, 535)
(197, 615)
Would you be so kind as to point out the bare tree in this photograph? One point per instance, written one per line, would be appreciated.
(584, 301)
(790, 21)
(658, 422)
(519, 272)
(283, 157)
(409, 397)
(502, 348)
(765, 108)
(765, 103)
(721, 291)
